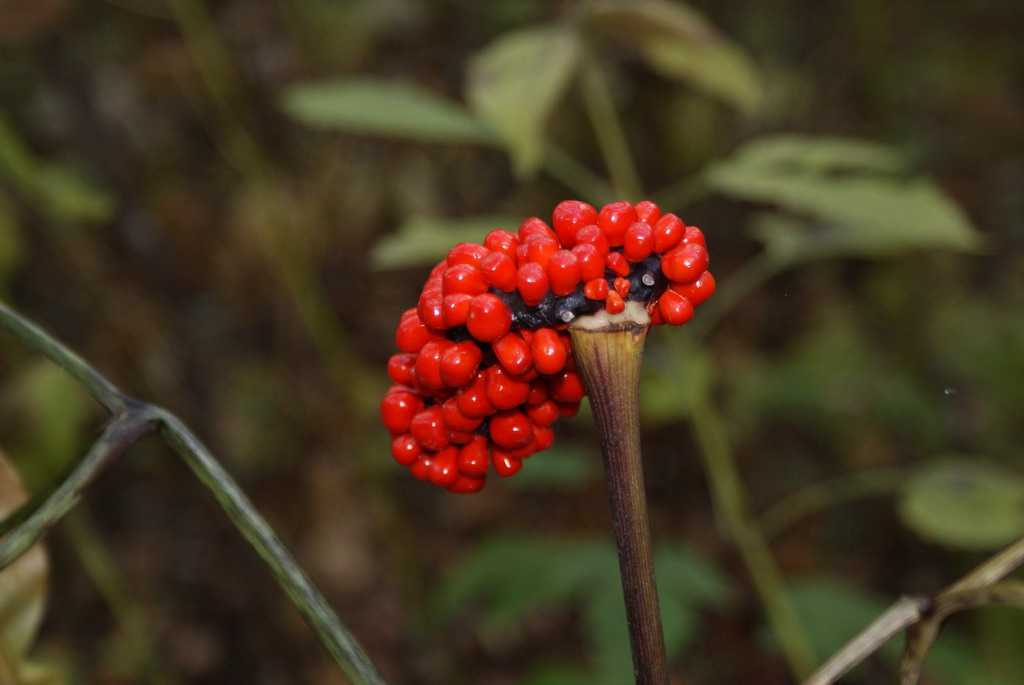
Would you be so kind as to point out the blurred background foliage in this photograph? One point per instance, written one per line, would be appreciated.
(226, 206)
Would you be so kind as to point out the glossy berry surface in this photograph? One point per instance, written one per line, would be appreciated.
(485, 366)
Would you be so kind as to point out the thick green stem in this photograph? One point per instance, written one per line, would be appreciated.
(608, 351)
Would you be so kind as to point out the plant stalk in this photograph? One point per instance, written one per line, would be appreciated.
(608, 351)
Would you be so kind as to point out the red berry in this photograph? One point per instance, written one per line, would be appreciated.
(399, 408)
(513, 353)
(532, 283)
(617, 263)
(563, 272)
(685, 263)
(466, 253)
(543, 414)
(503, 241)
(566, 387)
(474, 457)
(675, 309)
(455, 309)
(647, 212)
(413, 334)
(596, 289)
(428, 363)
(614, 219)
(463, 278)
(569, 217)
(505, 465)
(535, 227)
(430, 309)
(568, 409)
(622, 287)
(499, 270)
(593, 235)
(698, 291)
(591, 261)
(429, 429)
(503, 390)
(489, 318)
(548, 353)
(472, 398)
(693, 235)
(443, 470)
(543, 437)
(539, 250)
(455, 420)
(638, 242)
(467, 484)
(668, 231)
(405, 449)
(459, 363)
(510, 429)
(614, 302)
(420, 468)
(400, 368)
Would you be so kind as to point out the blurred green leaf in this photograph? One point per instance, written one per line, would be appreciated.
(681, 44)
(965, 503)
(515, 82)
(852, 191)
(426, 241)
(382, 108)
(52, 189)
(557, 674)
(519, 575)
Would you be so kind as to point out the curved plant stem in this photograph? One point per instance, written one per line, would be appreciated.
(132, 420)
(608, 353)
(31, 522)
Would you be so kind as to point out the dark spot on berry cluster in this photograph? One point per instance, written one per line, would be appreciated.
(486, 366)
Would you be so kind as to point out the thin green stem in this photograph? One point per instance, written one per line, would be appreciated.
(734, 512)
(37, 339)
(289, 575)
(611, 137)
(30, 523)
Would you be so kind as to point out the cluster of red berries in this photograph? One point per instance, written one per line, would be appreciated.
(486, 367)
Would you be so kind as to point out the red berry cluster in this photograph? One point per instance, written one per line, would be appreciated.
(486, 367)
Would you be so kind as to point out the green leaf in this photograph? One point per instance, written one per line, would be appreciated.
(854, 192)
(515, 82)
(426, 241)
(681, 44)
(382, 108)
(965, 503)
